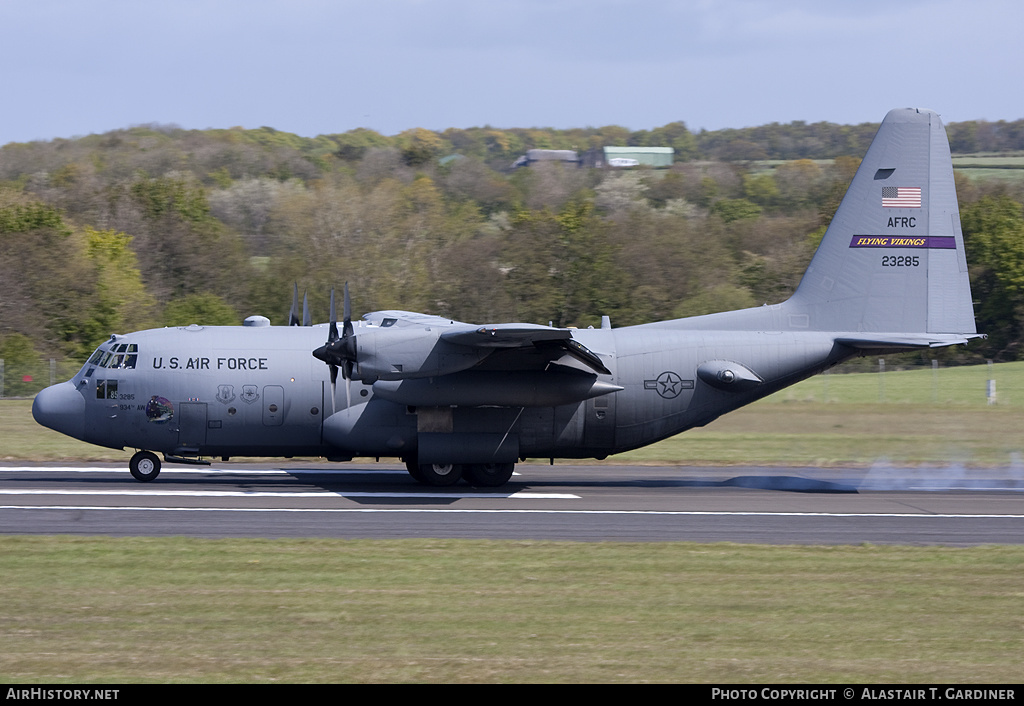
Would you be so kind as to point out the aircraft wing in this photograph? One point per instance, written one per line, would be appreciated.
(379, 318)
(506, 335)
(529, 337)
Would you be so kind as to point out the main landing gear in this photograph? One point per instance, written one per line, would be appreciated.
(144, 466)
(480, 475)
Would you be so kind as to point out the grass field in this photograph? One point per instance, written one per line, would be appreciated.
(111, 610)
(181, 610)
(1008, 168)
(908, 417)
(978, 167)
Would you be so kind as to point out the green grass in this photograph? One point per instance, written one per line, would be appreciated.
(817, 434)
(1009, 175)
(908, 417)
(991, 167)
(109, 610)
(956, 387)
(990, 160)
(21, 439)
(978, 167)
(189, 610)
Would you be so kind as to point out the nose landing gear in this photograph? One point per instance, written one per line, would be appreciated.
(144, 466)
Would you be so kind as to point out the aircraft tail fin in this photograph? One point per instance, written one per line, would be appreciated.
(892, 259)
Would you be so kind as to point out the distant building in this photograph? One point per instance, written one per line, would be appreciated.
(534, 156)
(637, 156)
(602, 157)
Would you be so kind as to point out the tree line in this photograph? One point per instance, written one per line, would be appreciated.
(154, 226)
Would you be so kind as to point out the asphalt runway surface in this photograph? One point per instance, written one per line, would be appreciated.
(951, 506)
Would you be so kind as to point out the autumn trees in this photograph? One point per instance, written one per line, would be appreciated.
(159, 226)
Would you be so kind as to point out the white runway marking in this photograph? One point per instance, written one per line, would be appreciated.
(285, 494)
(205, 470)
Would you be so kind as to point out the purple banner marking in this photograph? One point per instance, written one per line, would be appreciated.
(934, 242)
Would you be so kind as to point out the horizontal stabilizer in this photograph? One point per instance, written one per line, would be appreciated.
(903, 342)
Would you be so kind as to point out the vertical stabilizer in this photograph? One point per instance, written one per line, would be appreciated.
(893, 258)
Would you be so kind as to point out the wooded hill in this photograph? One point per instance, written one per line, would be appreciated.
(156, 225)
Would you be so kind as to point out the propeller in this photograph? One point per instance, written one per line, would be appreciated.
(340, 350)
(293, 315)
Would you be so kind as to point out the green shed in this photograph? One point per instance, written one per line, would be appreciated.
(636, 156)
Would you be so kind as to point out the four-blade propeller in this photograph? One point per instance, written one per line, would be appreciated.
(340, 351)
(293, 315)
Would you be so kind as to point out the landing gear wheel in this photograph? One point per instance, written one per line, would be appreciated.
(488, 475)
(414, 469)
(144, 466)
(440, 474)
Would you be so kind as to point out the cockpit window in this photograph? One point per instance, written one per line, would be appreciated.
(123, 356)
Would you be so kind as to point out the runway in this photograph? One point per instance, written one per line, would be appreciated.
(936, 506)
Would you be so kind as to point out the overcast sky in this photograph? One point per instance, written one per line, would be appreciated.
(75, 67)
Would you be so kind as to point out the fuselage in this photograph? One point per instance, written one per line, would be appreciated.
(257, 391)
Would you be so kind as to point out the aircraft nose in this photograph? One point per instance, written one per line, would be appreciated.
(61, 407)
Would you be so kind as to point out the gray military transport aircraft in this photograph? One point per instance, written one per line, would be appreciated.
(456, 400)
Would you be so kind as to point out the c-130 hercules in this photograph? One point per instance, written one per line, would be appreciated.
(457, 400)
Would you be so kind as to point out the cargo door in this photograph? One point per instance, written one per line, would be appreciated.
(191, 426)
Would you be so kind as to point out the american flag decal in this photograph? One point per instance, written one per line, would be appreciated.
(901, 197)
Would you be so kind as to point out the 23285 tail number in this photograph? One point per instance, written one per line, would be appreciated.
(901, 260)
